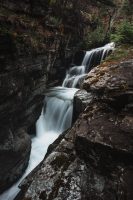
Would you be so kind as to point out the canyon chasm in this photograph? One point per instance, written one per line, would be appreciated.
(66, 105)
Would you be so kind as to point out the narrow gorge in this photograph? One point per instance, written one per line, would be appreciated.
(57, 112)
(66, 100)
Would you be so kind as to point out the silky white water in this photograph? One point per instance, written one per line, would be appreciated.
(56, 115)
(55, 118)
(76, 74)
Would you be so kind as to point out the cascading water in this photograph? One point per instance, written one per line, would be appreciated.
(55, 118)
(57, 111)
(76, 74)
(56, 115)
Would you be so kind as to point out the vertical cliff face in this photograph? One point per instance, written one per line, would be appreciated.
(22, 83)
(34, 52)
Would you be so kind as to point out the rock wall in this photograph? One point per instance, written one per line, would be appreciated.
(22, 84)
(34, 54)
(94, 159)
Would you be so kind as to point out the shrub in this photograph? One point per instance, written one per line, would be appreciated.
(123, 33)
(94, 38)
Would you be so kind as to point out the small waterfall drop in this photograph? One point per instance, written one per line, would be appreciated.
(56, 115)
(55, 118)
(76, 74)
(57, 111)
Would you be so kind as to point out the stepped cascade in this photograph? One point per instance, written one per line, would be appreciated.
(57, 111)
(76, 74)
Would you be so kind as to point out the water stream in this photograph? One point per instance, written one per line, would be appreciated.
(76, 74)
(57, 111)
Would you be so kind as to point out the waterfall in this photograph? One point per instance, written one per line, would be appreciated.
(76, 74)
(57, 111)
(56, 115)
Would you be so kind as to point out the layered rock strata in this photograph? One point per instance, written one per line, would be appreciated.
(32, 57)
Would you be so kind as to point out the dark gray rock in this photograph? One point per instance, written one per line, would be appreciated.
(21, 99)
(14, 156)
(27, 6)
(94, 159)
(32, 57)
(80, 102)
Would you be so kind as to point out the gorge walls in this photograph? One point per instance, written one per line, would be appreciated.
(93, 160)
(37, 42)
(32, 57)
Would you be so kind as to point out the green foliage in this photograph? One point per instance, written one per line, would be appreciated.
(123, 33)
(94, 38)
